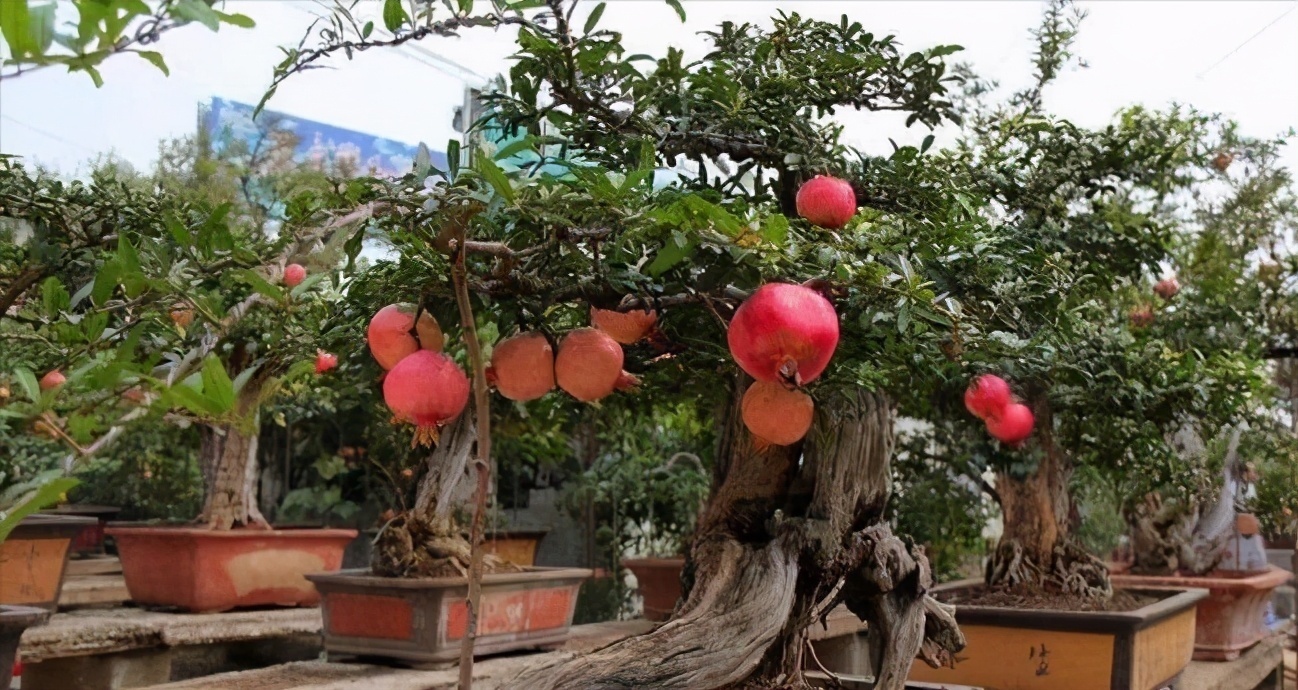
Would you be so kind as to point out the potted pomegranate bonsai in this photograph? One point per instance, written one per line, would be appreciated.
(181, 315)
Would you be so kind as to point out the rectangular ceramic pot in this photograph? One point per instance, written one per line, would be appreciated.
(1030, 649)
(659, 583)
(518, 546)
(424, 620)
(1232, 617)
(207, 571)
(34, 558)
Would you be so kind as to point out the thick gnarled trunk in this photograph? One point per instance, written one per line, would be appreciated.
(228, 457)
(789, 533)
(1036, 552)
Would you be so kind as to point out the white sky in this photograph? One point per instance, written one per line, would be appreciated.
(1139, 52)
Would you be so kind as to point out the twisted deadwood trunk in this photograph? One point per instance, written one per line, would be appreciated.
(228, 458)
(781, 544)
(1036, 552)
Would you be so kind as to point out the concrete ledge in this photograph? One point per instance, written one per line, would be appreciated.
(1247, 672)
(98, 632)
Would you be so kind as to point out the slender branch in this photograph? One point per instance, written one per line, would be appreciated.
(20, 285)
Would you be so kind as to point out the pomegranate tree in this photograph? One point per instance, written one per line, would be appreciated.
(784, 333)
(426, 389)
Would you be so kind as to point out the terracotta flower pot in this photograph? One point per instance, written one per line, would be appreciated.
(34, 557)
(423, 620)
(206, 570)
(13, 621)
(518, 546)
(1035, 649)
(659, 583)
(91, 539)
(1232, 617)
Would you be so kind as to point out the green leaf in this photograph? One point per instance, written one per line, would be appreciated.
(54, 297)
(217, 385)
(676, 5)
(105, 282)
(127, 256)
(242, 379)
(393, 14)
(307, 284)
(14, 23)
(593, 19)
(95, 76)
(197, 11)
(369, 29)
(40, 26)
(242, 21)
(495, 176)
(46, 495)
(260, 284)
(514, 147)
(452, 158)
(466, 6)
(776, 229)
(184, 395)
(81, 294)
(671, 254)
(27, 380)
(155, 58)
(178, 231)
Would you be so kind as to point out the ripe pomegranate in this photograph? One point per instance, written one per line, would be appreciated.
(1222, 161)
(826, 201)
(1013, 425)
(776, 414)
(987, 396)
(133, 395)
(390, 337)
(182, 316)
(522, 367)
(624, 327)
(784, 333)
(1142, 317)
(324, 361)
(1167, 288)
(426, 389)
(53, 379)
(589, 365)
(294, 274)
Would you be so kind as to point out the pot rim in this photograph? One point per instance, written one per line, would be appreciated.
(242, 533)
(1269, 578)
(1173, 600)
(362, 576)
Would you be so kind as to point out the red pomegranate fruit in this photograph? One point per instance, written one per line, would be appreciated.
(391, 334)
(52, 379)
(522, 367)
(784, 332)
(775, 414)
(182, 316)
(294, 274)
(324, 361)
(426, 389)
(987, 396)
(1013, 425)
(625, 327)
(589, 365)
(1167, 288)
(1141, 318)
(826, 201)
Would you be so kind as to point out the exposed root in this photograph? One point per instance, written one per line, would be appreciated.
(415, 548)
(1071, 571)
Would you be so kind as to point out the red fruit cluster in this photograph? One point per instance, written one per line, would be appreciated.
(783, 336)
(988, 398)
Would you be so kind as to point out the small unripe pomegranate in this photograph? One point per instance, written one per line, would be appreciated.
(784, 332)
(53, 379)
(625, 327)
(1167, 288)
(987, 396)
(426, 389)
(133, 395)
(1013, 425)
(407, 473)
(776, 414)
(1222, 161)
(589, 364)
(182, 316)
(391, 338)
(294, 274)
(324, 361)
(1140, 318)
(4, 393)
(826, 201)
(522, 367)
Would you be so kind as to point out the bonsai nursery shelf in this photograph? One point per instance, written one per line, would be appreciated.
(1031, 649)
(423, 620)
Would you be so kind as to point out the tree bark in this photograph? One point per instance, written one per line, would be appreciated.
(780, 544)
(228, 457)
(1036, 552)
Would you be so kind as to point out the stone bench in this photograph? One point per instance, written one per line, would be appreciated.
(107, 649)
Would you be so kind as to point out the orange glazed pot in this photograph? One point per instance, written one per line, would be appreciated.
(34, 557)
(1233, 616)
(423, 620)
(207, 571)
(659, 581)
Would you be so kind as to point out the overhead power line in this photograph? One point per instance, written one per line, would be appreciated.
(1249, 40)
